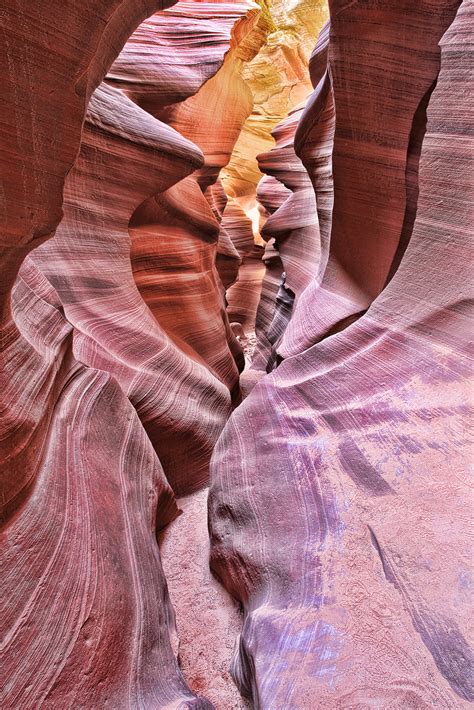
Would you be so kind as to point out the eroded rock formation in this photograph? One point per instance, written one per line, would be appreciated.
(279, 80)
(137, 252)
(359, 595)
(88, 619)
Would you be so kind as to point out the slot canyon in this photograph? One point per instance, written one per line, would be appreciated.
(235, 354)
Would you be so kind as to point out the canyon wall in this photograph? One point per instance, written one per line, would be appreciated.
(279, 80)
(139, 245)
(98, 380)
(339, 502)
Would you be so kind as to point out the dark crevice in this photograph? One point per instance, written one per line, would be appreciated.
(440, 634)
(417, 136)
(389, 576)
(283, 309)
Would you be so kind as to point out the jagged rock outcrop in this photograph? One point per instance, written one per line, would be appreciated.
(339, 496)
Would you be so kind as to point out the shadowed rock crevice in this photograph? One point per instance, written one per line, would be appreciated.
(415, 144)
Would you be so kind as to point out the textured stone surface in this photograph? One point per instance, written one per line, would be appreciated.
(175, 234)
(292, 234)
(379, 125)
(339, 507)
(88, 617)
(208, 620)
(48, 79)
(85, 606)
(294, 225)
(278, 78)
(114, 329)
(340, 503)
(271, 194)
(85, 611)
(242, 227)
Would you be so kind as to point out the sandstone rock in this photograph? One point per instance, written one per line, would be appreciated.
(88, 619)
(339, 503)
(292, 234)
(279, 79)
(378, 128)
(359, 596)
(47, 84)
(175, 234)
(85, 610)
(271, 194)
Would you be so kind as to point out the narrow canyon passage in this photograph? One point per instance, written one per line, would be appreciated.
(235, 382)
(258, 94)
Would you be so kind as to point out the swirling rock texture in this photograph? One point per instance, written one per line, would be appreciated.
(279, 80)
(271, 194)
(358, 267)
(243, 296)
(291, 230)
(339, 503)
(303, 235)
(86, 614)
(294, 225)
(174, 235)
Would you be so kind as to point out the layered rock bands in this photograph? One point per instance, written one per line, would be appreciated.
(340, 502)
(140, 248)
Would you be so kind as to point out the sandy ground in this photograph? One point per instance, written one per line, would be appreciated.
(249, 344)
(208, 620)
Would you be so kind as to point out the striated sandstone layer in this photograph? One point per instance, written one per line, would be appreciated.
(243, 296)
(299, 226)
(175, 234)
(48, 80)
(294, 225)
(380, 117)
(88, 618)
(85, 608)
(339, 504)
(269, 325)
(292, 234)
(114, 329)
(279, 80)
(85, 611)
